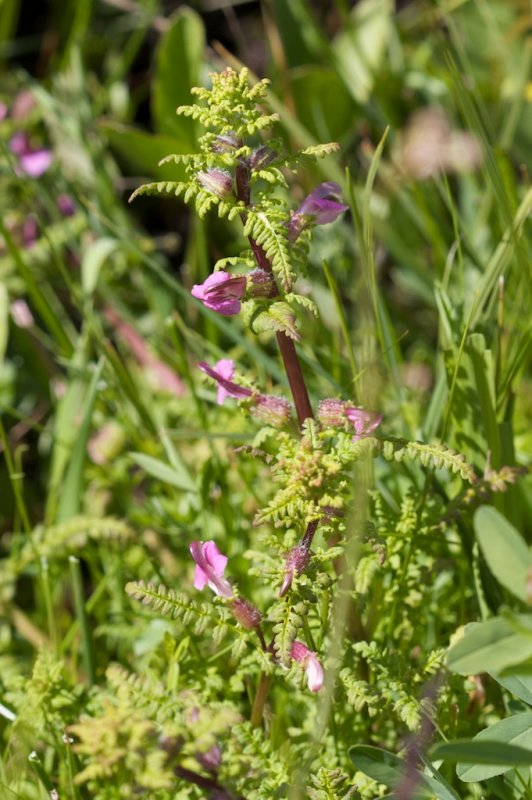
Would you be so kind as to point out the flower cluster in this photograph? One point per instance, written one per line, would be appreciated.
(222, 292)
(210, 568)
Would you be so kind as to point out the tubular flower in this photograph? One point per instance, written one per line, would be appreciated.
(221, 292)
(311, 664)
(320, 207)
(223, 372)
(210, 567)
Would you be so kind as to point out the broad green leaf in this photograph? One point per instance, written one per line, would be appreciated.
(163, 472)
(380, 765)
(178, 63)
(505, 551)
(324, 106)
(93, 260)
(491, 646)
(142, 151)
(518, 685)
(389, 769)
(494, 750)
(483, 752)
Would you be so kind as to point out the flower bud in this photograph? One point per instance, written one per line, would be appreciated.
(211, 760)
(331, 413)
(217, 181)
(226, 143)
(310, 663)
(271, 410)
(297, 560)
(246, 613)
(260, 283)
(262, 157)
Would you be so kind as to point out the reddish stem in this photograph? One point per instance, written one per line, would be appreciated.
(286, 345)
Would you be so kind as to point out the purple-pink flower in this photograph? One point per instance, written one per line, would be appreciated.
(320, 207)
(33, 162)
(223, 372)
(364, 422)
(210, 567)
(221, 292)
(310, 663)
(334, 413)
(269, 409)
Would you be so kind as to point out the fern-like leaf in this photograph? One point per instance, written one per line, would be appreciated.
(272, 237)
(288, 620)
(437, 456)
(168, 602)
(160, 187)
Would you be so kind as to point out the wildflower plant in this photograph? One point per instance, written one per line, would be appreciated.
(289, 600)
(305, 524)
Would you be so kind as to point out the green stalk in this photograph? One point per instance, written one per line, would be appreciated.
(79, 602)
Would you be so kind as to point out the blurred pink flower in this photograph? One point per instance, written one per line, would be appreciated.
(311, 664)
(66, 205)
(106, 443)
(210, 567)
(33, 162)
(161, 376)
(22, 316)
(221, 292)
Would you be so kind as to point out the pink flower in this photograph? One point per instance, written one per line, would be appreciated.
(33, 162)
(159, 375)
(221, 292)
(66, 205)
(22, 316)
(334, 414)
(210, 567)
(363, 421)
(223, 372)
(320, 207)
(311, 664)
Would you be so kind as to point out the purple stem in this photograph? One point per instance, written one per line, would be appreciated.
(286, 345)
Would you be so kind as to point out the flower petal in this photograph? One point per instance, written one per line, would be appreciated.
(226, 387)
